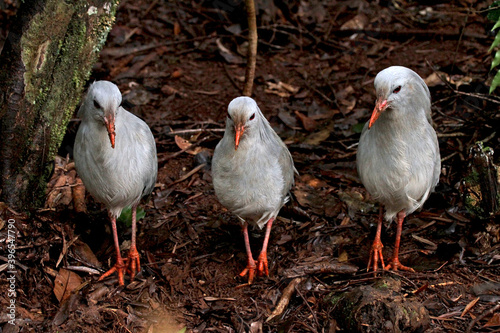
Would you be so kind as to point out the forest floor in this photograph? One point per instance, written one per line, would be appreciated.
(178, 65)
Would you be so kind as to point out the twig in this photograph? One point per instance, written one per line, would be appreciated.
(17, 263)
(252, 48)
(476, 95)
(122, 51)
(83, 269)
(196, 130)
(310, 309)
(462, 31)
(230, 78)
(189, 174)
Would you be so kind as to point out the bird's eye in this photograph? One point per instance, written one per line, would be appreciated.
(398, 89)
(252, 116)
(96, 104)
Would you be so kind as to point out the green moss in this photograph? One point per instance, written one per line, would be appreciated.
(40, 45)
(58, 51)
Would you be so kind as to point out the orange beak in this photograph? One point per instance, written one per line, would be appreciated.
(239, 129)
(110, 126)
(380, 106)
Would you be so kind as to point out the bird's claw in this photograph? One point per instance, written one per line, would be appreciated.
(375, 254)
(262, 264)
(250, 269)
(131, 265)
(396, 265)
(119, 268)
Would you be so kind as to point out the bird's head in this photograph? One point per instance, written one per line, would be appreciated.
(101, 105)
(400, 88)
(243, 115)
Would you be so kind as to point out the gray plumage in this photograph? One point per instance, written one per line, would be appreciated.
(252, 181)
(398, 158)
(120, 176)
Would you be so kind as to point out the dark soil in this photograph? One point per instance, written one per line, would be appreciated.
(314, 81)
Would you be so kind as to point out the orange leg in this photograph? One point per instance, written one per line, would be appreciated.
(376, 250)
(262, 260)
(133, 260)
(119, 267)
(251, 266)
(395, 264)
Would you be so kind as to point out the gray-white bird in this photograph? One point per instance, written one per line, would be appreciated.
(398, 156)
(253, 173)
(115, 156)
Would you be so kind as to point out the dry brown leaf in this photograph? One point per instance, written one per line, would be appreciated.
(317, 137)
(184, 144)
(307, 122)
(469, 306)
(84, 253)
(177, 74)
(494, 320)
(177, 28)
(64, 283)
(281, 89)
(169, 90)
(79, 196)
(55, 194)
(358, 22)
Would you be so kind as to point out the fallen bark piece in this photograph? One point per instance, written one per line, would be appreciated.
(285, 299)
(321, 267)
(378, 308)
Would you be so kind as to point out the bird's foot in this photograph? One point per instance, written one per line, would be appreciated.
(133, 262)
(396, 265)
(119, 268)
(250, 269)
(375, 255)
(262, 264)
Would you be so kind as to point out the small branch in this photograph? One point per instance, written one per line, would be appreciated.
(189, 174)
(196, 130)
(252, 48)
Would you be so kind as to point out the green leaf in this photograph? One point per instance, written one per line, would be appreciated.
(126, 216)
(182, 330)
(496, 60)
(496, 41)
(495, 82)
(494, 13)
(358, 128)
(496, 25)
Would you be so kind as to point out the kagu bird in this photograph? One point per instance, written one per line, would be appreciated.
(115, 155)
(253, 172)
(398, 154)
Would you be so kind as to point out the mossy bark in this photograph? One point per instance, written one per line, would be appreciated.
(377, 308)
(481, 186)
(45, 62)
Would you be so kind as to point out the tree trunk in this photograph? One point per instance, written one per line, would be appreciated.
(44, 65)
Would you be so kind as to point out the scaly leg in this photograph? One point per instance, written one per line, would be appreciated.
(262, 260)
(376, 250)
(119, 267)
(250, 269)
(133, 260)
(395, 264)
